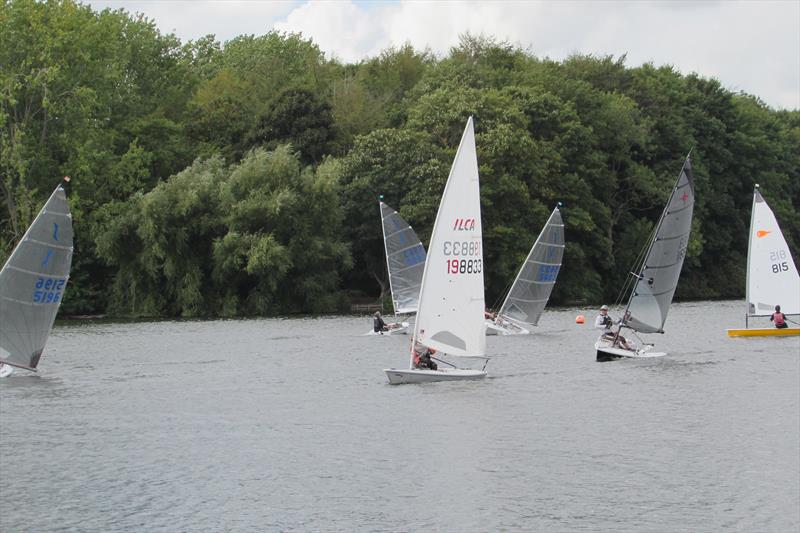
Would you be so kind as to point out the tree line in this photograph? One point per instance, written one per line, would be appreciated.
(242, 178)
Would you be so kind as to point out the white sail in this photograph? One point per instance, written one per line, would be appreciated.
(451, 306)
(405, 260)
(528, 295)
(772, 277)
(32, 283)
(658, 277)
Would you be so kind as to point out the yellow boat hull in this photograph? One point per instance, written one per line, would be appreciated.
(762, 332)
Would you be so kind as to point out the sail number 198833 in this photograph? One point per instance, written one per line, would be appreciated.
(469, 250)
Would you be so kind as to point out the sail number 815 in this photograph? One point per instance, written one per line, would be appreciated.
(779, 266)
(464, 266)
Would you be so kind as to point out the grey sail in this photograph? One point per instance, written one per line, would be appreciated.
(405, 260)
(529, 294)
(658, 277)
(32, 283)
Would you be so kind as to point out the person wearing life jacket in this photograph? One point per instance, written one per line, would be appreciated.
(604, 322)
(424, 360)
(778, 318)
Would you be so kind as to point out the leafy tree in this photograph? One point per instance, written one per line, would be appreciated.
(299, 117)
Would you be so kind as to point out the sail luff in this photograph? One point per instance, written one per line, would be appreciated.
(386, 251)
(756, 194)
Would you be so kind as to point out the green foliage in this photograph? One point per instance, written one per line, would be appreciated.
(217, 240)
(297, 116)
(242, 178)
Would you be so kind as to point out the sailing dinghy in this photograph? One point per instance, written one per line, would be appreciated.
(656, 279)
(451, 303)
(32, 284)
(772, 277)
(528, 295)
(405, 261)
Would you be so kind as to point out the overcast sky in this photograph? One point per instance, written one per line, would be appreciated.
(750, 46)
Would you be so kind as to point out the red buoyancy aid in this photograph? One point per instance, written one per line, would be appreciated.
(778, 319)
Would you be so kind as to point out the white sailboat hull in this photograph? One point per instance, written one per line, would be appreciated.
(6, 370)
(496, 329)
(398, 376)
(402, 329)
(607, 352)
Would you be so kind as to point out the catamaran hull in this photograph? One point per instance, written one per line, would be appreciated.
(417, 375)
(763, 332)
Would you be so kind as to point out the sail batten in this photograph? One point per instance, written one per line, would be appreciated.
(528, 295)
(405, 260)
(658, 276)
(32, 283)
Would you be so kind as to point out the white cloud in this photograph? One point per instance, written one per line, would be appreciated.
(191, 19)
(752, 46)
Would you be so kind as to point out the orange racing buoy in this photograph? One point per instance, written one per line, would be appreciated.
(579, 319)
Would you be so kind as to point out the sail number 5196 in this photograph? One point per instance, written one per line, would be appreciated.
(48, 290)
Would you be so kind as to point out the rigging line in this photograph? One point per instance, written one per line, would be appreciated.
(638, 264)
(500, 299)
(443, 361)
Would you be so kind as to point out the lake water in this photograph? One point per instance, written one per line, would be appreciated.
(290, 425)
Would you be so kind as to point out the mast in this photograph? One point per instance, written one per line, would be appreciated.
(386, 252)
(749, 254)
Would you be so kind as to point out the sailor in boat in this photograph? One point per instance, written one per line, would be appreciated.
(778, 318)
(424, 360)
(379, 326)
(604, 322)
